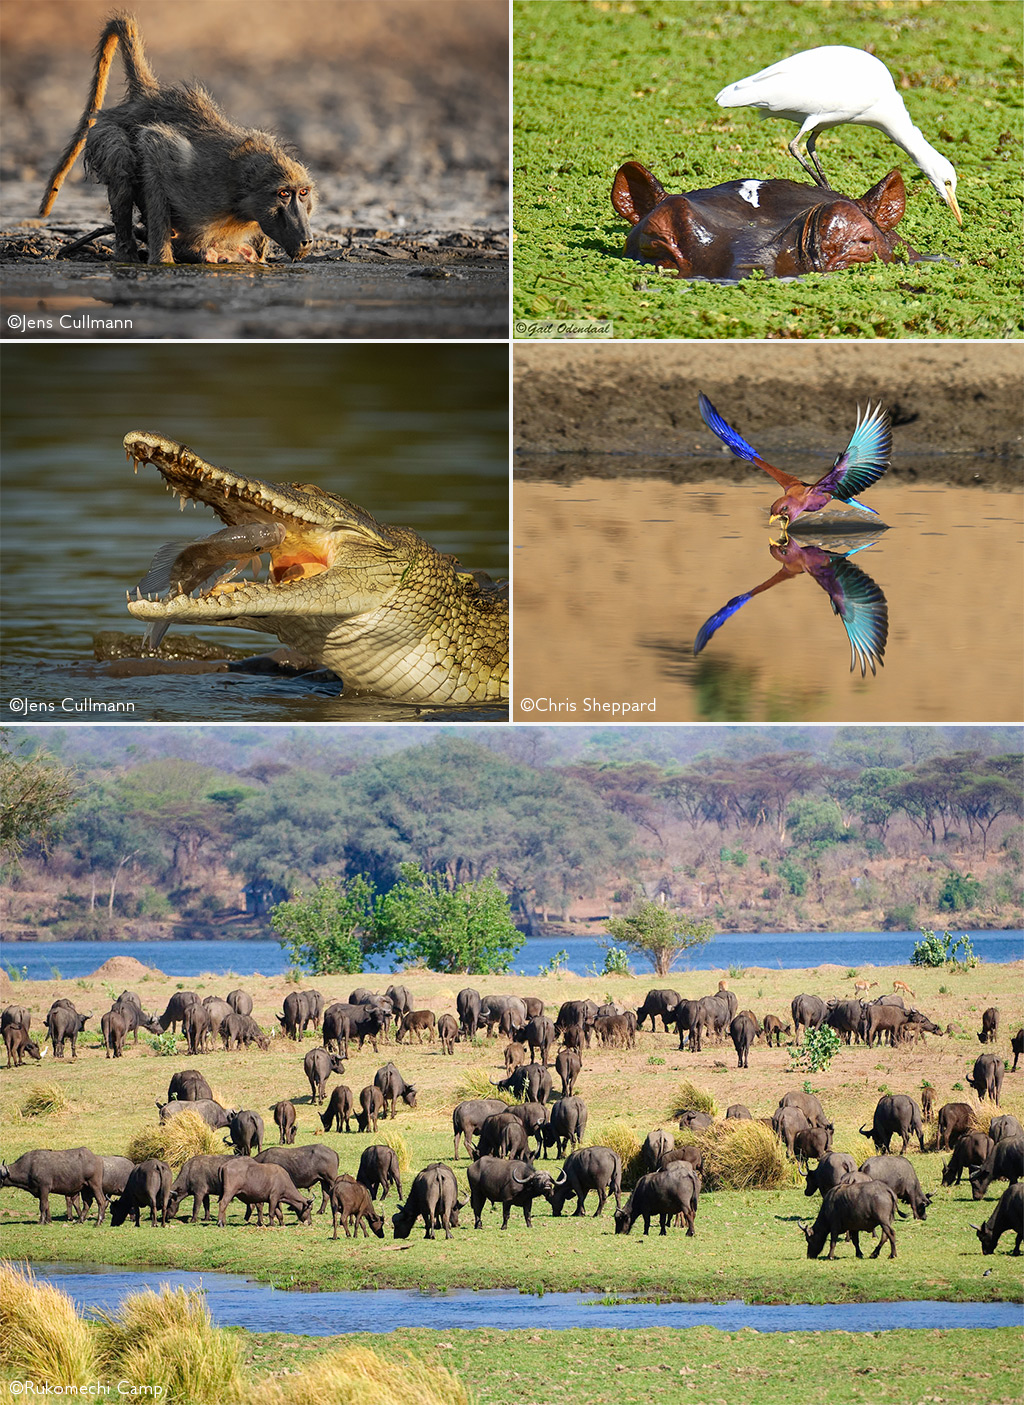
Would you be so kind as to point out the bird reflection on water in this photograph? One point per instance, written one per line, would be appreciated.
(857, 599)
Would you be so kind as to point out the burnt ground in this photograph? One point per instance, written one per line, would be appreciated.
(399, 110)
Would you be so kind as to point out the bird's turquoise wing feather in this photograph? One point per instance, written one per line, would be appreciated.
(864, 459)
(861, 605)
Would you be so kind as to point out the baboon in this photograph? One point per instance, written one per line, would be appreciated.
(206, 190)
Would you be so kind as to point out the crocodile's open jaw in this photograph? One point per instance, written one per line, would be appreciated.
(374, 602)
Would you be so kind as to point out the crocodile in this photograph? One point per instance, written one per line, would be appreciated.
(376, 604)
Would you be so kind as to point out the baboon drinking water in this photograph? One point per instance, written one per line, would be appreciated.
(206, 190)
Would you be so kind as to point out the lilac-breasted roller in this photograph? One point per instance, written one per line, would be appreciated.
(855, 597)
(861, 463)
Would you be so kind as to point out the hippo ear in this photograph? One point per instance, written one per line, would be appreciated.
(886, 202)
(635, 192)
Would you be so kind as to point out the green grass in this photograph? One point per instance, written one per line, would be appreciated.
(747, 1244)
(597, 84)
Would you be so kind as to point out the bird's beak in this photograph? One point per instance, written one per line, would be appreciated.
(950, 198)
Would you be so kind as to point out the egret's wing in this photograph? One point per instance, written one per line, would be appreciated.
(864, 459)
(739, 445)
(861, 606)
(712, 625)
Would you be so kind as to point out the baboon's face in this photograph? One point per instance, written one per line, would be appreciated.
(286, 221)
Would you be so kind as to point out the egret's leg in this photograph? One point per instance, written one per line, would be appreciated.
(821, 178)
(795, 153)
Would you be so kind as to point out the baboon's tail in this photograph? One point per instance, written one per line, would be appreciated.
(123, 29)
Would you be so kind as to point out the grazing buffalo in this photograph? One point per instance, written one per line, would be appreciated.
(531, 1083)
(503, 1135)
(258, 1183)
(577, 1012)
(318, 1066)
(773, 1028)
(44, 1172)
(200, 1177)
(447, 1032)
(19, 1016)
(418, 1022)
(1008, 1216)
(379, 1171)
(674, 1191)
(539, 1034)
(134, 1017)
(738, 1112)
(393, 1086)
(808, 1011)
(590, 1168)
(655, 1146)
(245, 1131)
(147, 1188)
(884, 1022)
(242, 1030)
(971, 1151)
(371, 1102)
(714, 1014)
(1017, 1048)
(1002, 1128)
(808, 1105)
(211, 1112)
(469, 1117)
(434, 1197)
(830, 1170)
(692, 1154)
(788, 1123)
(743, 1032)
(566, 1125)
(897, 1173)
(294, 1014)
(307, 1166)
(989, 1025)
(953, 1121)
(18, 1043)
(63, 1022)
(514, 1056)
(897, 1116)
(812, 1141)
(927, 1101)
(240, 1001)
(574, 1037)
(116, 1170)
(189, 1086)
(780, 227)
(691, 1119)
(613, 1031)
(284, 1119)
(917, 1026)
(850, 1209)
(401, 1000)
(658, 1004)
(113, 1027)
(174, 1015)
(219, 1010)
(845, 1017)
(467, 1003)
(354, 1021)
(986, 1077)
(1005, 1162)
(341, 1108)
(506, 1183)
(503, 1012)
(351, 1204)
(197, 1026)
(533, 1116)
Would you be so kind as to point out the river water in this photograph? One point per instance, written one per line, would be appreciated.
(235, 1302)
(780, 950)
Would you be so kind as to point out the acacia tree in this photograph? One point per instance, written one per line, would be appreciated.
(659, 933)
(331, 929)
(466, 928)
(37, 794)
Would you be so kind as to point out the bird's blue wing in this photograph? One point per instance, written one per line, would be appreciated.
(861, 605)
(709, 627)
(864, 459)
(725, 432)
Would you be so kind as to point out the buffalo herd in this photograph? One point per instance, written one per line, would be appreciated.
(504, 1138)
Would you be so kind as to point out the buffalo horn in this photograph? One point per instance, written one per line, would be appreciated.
(520, 1180)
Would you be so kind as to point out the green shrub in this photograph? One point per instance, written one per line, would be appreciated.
(819, 1048)
(947, 950)
(901, 917)
(165, 1045)
(616, 962)
(958, 892)
(795, 876)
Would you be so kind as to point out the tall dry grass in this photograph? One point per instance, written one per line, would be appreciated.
(42, 1337)
(688, 1097)
(168, 1340)
(621, 1138)
(361, 1377)
(742, 1155)
(45, 1100)
(175, 1141)
(476, 1083)
(397, 1143)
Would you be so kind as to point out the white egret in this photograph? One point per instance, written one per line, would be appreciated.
(822, 88)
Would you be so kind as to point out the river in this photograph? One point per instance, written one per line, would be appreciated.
(36, 961)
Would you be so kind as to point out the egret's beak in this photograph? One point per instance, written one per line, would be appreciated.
(949, 195)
